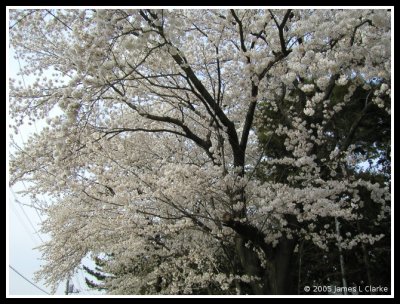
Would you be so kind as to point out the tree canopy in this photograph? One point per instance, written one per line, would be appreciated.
(208, 151)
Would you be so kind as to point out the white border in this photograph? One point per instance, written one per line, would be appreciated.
(205, 296)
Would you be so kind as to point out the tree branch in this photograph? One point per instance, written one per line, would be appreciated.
(353, 36)
(280, 29)
(249, 117)
(242, 45)
(355, 125)
(59, 20)
(248, 233)
(121, 130)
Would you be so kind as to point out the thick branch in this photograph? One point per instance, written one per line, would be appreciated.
(242, 45)
(219, 101)
(59, 20)
(232, 135)
(355, 125)
(204, 144)
(353, 36)
(330, 86)
(249, 117)
(249, 233)
(281, 28)
(189, 134)
(203, 91)
(231, 131)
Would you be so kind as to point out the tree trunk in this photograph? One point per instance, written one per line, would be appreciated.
(276, 279)
(279, 272)
(250, 263)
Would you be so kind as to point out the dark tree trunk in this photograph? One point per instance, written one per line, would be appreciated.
(250, 263)
(279, 272)
(276, 278)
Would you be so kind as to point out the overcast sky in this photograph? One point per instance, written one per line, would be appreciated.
(23, 227)
(23, 223)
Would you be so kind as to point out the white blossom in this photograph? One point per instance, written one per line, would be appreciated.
(157, 159)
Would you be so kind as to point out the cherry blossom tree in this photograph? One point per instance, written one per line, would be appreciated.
(197, 149)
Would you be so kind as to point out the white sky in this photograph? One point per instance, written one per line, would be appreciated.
(24, 222)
